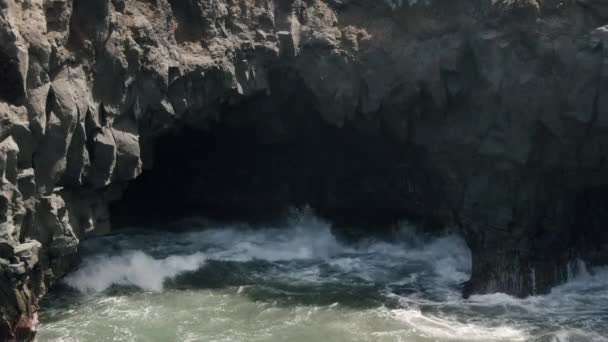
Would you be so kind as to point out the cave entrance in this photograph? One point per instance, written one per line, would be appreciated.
(272, 152)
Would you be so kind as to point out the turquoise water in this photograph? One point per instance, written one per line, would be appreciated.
(297, 282)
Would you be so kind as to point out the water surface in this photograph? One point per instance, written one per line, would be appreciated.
(297, 282)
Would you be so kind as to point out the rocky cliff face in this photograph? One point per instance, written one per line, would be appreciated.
(490, 116)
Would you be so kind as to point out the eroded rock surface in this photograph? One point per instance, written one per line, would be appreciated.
(504, 100)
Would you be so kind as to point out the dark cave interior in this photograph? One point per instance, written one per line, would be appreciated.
(272, 152)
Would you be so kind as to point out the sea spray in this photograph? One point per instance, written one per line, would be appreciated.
(134, 268)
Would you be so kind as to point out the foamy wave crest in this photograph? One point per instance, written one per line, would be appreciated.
(439, 328)
(304, 237)
(450, 257)
(569, 295)
(134, 268)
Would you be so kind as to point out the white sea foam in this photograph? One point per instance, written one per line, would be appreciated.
(446, 330)
(570, 297)
(131, 268)
(296, 243)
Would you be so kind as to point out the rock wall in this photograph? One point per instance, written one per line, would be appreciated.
(505, 100)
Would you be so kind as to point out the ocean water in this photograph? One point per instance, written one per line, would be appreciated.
(298, 282)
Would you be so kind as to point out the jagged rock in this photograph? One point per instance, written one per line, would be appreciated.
(88, 214)
(27, 144)
(128, 156)
(16, 270)
(12, 211)
(28, 252)
(77, 159)
(9, 152)
(53, 218)
(103, 158)
(288, 46)
(37, 101)
(67, 102)
(27, 183)
(13, 55)
(5, 128)
(63, 246)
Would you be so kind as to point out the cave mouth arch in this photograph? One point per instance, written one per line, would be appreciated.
(273, 151)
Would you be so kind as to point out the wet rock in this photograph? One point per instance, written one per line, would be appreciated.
(63, 246)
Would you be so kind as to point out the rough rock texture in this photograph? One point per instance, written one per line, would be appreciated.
(500, 105)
